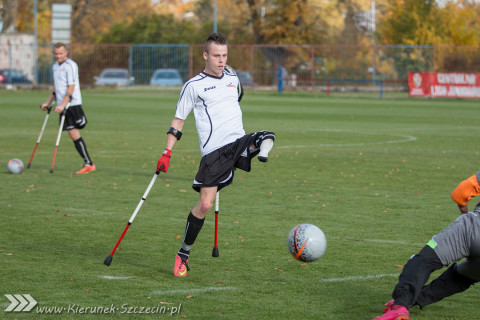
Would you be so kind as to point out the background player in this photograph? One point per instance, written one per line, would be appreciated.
(67, 89)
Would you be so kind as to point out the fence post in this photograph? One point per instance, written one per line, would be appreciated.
(130, 59)
(10, 51)
(190, 61)
(280, 81)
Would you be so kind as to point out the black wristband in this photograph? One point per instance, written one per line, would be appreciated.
(175, 132)
(70, 96)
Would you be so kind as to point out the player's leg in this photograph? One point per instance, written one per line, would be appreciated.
(82, 151)
(195, 221)
(414, 276)
(205, 202)
(443, 249)
(76, 120)
(447, 284)
(457, 278)
(263, 142)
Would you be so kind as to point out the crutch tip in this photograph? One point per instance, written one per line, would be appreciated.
(215, 253)
(108, 261)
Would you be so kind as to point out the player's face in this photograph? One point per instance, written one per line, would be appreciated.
(215, 59)
(60, 54)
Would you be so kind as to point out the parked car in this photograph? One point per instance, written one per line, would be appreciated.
(245, 78)
(166, 77)
(12, 76)
(114, 76)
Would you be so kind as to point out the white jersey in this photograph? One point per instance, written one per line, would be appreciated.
(64, 75)
(214, 101)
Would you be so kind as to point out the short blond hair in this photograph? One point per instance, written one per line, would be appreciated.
(59, 45)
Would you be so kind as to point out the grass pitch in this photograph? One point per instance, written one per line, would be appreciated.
(374, 174)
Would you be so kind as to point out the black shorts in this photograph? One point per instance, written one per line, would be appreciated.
(74, 118)
(217, 168)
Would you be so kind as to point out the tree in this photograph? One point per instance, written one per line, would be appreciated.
(89, 17)
(93, 17)
(461, 25)
(7, 15)
(16, 15)
(280, 21)
(153, 28)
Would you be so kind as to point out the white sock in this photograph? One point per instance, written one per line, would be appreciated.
(265, 148)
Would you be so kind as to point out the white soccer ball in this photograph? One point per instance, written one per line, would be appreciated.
(306, 242)
(15, 166)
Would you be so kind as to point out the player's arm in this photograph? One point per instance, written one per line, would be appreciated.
(463, 209)
(174, 133)
(66, 99)
(49, 100)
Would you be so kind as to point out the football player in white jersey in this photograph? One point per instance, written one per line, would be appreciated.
(67, 90)
(214, 96)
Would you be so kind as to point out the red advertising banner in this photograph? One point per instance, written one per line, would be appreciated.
(444, 85)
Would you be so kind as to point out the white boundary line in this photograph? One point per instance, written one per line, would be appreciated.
(393, 242)
(355, 278)
(115, 278)
(405, 138)
(208, 289)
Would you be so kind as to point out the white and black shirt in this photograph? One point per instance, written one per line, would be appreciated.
(214, 101)
(64, 75)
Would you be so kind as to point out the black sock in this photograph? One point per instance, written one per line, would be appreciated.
(82, 150)
(194, 225)
(184, 254)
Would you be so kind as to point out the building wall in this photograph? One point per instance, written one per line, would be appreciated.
(17, 51)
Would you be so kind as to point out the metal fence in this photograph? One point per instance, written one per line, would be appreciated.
(309, 67)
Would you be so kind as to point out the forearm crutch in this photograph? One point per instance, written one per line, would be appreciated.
(215, 247)
(62, 121)
(108, 259)
(40, 135)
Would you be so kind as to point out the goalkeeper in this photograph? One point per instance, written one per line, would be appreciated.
(459, 240)
(213, 95)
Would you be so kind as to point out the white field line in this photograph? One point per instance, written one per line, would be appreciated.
(404, 138)
(91, 213)
(188, 291)
(358, 278)
(115, 278)
(394, 242)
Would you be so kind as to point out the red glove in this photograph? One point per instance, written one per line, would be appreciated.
(164, 161)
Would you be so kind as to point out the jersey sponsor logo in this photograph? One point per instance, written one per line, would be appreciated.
(231, 85)
(209, 88)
